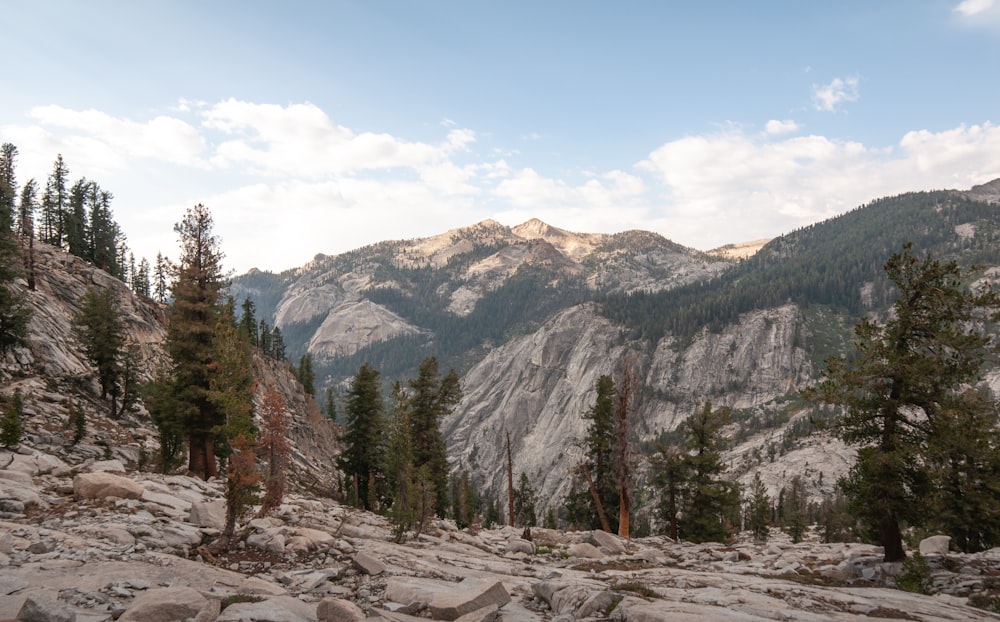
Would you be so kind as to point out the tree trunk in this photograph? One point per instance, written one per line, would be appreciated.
(892, 539)
(597, 500)
(624, 457)
(510, 484)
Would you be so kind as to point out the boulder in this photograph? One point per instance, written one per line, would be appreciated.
(583, 549)
(609, 543)
(338, 610)
(167, 604)
(210, 514)
(935, 545)
(272, 542)
(467, 596)
(100, 485)
(368, 564)
(41, 608)
(107, 466)
(517, 545)
(277, 609)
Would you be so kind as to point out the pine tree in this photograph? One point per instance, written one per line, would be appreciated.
(55, 203)
(26, 228)
(363, 459)
(670, 476)
(330, 404)
(278, 348)
(304, 372)
(712, 500)
(248, 322)
(10, 425)
(599, 466)
(161, 273)
(757, 506)
(79, 421)
(433, 398)
(274, 448)
(14, 312)
(525, 501)
(76, 220)
(906, 388)
(140, 280)
(8, 180)
(99, 329)
(405, 510)
(242, 486)
(231, 383)
(191, 337)
(794, 510)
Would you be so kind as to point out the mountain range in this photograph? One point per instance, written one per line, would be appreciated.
(531, 316)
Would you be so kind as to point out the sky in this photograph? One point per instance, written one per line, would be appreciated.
(321, 127)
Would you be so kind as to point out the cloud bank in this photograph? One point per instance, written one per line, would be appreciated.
(286, 182)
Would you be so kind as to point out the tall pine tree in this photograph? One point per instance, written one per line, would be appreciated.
(363, 458)
(433, 397)
(191, 337)
(905, 394)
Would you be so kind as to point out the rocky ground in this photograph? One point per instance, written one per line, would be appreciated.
(92, 543)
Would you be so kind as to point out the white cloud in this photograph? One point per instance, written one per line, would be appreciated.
(829, 97)
(109, 142)
(300, 140)
(973, 7)
(781, 127)
(733, 186)
(527, 188)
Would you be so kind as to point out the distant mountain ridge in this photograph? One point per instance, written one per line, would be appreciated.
(532, 315)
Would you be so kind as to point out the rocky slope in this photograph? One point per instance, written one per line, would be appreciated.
(91, 542)
(54, 377)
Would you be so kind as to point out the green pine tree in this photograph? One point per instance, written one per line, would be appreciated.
(712, 501)
(191, 338)
(433, 398)
(905, 390)
(11, 424)
(363, 459)
(757, 506)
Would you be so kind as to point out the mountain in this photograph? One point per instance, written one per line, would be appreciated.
(532, 315)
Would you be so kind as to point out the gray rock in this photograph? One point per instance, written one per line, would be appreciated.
(167, 604)
(517, 545)
(338, 610)
(609, 543)
(211, 514)
(368, 564)
(467, 596)
(271, 610)
(583, 549)
(488, 613)
(9, 585)
(101, 485)
(107, 466)
(40, 608)
(935, 545)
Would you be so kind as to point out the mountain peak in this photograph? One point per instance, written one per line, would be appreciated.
(535, 228)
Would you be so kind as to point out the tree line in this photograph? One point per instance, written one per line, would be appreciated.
(74, 216)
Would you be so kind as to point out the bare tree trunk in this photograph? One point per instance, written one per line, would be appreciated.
(624, 455)
(510, 484)
(597, 499)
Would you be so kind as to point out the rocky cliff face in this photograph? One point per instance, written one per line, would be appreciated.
(536, 389)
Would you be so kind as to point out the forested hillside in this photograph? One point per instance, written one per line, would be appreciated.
(837, 263)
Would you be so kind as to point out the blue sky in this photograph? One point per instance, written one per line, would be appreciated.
(318, 127)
